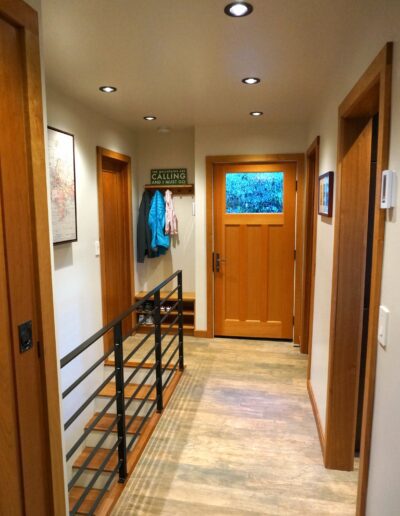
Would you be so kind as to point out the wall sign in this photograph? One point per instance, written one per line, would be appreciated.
(168, 176)
(62, 186)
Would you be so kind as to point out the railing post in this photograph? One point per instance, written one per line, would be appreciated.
(180, 321)
(120, 388)
(157, 338)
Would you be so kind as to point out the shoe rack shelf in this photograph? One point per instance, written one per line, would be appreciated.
(189, 303)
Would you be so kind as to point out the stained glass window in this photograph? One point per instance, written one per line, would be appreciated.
(254, 192)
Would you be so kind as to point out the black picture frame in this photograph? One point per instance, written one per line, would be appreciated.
(59, 239)
(325, 194)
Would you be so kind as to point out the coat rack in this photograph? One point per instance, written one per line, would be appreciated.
(175, 189)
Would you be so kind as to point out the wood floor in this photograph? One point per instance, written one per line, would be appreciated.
(238, 438)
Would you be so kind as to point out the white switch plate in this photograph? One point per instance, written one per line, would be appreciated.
(383, 325)
(97, 248)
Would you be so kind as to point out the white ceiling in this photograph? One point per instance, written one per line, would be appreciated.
(183, 60)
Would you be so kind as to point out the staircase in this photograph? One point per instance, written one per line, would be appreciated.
(140, 375)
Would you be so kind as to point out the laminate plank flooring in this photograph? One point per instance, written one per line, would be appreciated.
(238, 438)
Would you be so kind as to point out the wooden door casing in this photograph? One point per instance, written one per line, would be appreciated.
(254, 290)
(115, 237)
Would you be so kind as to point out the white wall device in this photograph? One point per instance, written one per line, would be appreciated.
(388, 191)
(383, 325)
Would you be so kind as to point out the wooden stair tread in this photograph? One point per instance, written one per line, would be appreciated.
(109, 391)
(87, 503)
(98, 458)
(134, 363)
(105, 422)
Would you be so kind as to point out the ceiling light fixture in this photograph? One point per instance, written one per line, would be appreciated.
(238, 9)
(251, 80)
(108, 89)
(256, 113)
(150, 118)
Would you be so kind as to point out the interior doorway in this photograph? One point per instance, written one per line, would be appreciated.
(363, 147)
(116, 238)
(254, 243)
(32, 470)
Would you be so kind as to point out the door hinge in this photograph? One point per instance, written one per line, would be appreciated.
(296, 185)
(293, 320)
(294, 254)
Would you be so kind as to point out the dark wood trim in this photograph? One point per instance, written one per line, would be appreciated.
(317, 416)
(372, 93)
(126, 163)
(297, 158)
(310, 245)
(201, 334)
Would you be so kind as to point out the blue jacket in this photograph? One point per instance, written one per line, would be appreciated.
(159, 240)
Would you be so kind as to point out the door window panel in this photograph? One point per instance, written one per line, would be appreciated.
(254, 192)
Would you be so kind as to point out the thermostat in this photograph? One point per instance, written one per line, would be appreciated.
(388, 190)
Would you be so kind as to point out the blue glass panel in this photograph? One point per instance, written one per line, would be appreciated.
(254, 192)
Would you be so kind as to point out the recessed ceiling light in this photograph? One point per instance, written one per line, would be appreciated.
(107, 89)
(251, 80)
(256, 113)
(150, 118)
(238, 9)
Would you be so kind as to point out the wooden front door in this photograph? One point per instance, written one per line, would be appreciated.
(254, 238)
(26, 469)
(115, 237)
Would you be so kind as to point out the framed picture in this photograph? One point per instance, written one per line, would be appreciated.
(61, 149)
(325, 194)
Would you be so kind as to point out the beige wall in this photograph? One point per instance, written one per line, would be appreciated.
(256, 137)
(367, 41)
(167, 150)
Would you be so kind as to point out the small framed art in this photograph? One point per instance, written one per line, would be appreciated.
(325, 194)
(62, 185)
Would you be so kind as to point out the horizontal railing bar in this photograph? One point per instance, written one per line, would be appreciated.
(88, 342)
(128, 380)
(171, 357)
(90, 428)
(105, 488)
(95, 477)
(136, 348)
(170, 374)
(132, 418)
(140, 386)
(169, 344)
(169, 327)
(88, 401)
(137, 433)
(168, 313)
(163, 301)
(85, 375)
(89, 458)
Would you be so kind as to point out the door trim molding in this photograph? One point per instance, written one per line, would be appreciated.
(126, 162)
(310, 245)
(296, 158)
(25, 18)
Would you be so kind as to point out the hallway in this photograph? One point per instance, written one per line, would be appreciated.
(238, 437)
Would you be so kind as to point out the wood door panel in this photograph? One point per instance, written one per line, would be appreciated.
(254, 288)
(21, 270)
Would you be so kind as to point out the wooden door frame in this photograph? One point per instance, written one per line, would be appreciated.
(19, 14)
(373, 89)
(251, 159)
(310, 246)
(126, 163)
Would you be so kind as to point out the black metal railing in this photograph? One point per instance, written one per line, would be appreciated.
(164, 367)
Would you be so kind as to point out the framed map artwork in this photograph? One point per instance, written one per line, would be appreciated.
(61, 152)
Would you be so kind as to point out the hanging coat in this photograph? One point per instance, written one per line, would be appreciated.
(171, 221)
(143, 229)
(159, 240)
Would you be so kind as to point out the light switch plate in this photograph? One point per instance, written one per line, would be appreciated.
(383, 326)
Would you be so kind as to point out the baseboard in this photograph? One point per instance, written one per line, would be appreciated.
(202, 334)
(317, 417)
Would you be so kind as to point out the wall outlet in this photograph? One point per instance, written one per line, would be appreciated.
(383, 326)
